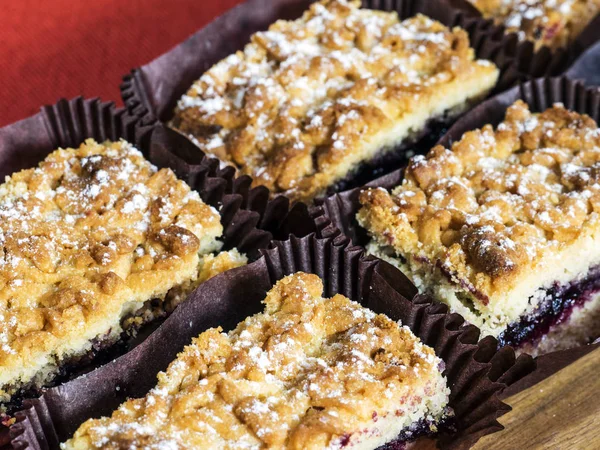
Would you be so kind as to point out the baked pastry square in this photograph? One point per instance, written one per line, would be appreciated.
(551, 23)
(504, 227)
(308, 101)
(307, 373)
(95, 241)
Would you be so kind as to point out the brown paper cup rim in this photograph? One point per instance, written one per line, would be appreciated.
(587, 66)
(476, 371)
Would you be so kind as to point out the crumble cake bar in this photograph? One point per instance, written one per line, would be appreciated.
(307, 373)
(503, 227)
(94, 241)
(551, 23)
(308, 101)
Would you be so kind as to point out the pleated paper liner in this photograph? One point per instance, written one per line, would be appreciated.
(476, 371)
(152, 91)
(530, 63)
(539, 94)
(250, 220)
(587, 67)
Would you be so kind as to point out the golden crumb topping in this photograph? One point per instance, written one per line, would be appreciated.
(308, 100)
(87, 238)
(304, 374)
(491, 209)
(553, 23)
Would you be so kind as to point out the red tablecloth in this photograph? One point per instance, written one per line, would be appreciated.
(64, 48)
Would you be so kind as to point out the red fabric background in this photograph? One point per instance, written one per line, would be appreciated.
(64, 48)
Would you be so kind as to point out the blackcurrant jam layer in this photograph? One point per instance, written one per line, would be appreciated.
(104, 349)
(419, 429)
(386, 161)
(556, 308)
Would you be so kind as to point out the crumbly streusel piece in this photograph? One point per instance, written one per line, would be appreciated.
(308, 373)
(88, 238)
(306, 102)
(553, 23)
(504, 226)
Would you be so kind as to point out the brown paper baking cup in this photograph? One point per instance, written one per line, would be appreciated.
(152, 91)
(531, 63)
(250, 220)
(476, 372)
(337, 213)
(587, 66)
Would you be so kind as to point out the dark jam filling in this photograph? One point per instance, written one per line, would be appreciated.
(104, 349)
(554, 309)
(419, 429)
(389, 160)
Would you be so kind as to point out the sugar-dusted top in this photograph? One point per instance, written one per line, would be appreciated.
(305, 96)
(85, 236)
(554, 23)
(306, 370)
(499, 202)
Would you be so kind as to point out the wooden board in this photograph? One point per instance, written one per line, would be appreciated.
(560, 412)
